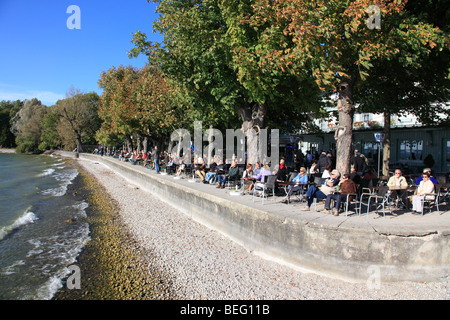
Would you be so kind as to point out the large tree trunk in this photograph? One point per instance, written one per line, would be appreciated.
(129, 143)
(386, 142)
(79, 145)
(145, 144)
(253, 119)
(343, 134)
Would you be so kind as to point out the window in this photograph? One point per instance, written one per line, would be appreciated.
(411, 150)
(370, 149)
(447, 157)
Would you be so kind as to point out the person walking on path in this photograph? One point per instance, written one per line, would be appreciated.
(155, 155)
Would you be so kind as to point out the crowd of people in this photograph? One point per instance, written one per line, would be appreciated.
(316, 179)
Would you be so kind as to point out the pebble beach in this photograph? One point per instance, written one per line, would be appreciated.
(153, 251)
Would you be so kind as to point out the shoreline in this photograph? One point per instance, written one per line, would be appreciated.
(203, 264)
(4, 150)
(112, 264)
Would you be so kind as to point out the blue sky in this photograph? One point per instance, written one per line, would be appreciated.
(41, 57)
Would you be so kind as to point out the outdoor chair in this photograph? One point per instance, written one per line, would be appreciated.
(233, 182)
(264, 189)
(381, 194)
(292, 175)
(352, 198)
(298, 193)
(432, 202)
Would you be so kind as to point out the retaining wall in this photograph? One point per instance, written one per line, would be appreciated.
(351, 253)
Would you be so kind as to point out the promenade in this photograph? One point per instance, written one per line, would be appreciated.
(403, 246)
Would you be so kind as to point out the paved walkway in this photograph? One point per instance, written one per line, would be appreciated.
(397, 222)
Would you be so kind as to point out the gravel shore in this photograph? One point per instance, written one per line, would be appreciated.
(193, 262)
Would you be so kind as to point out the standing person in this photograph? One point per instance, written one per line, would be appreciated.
(425, 186)
(322, 162)
(155, 155)
(359, 163)
(309, 159)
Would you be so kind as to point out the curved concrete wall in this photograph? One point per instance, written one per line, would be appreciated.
(351, 253)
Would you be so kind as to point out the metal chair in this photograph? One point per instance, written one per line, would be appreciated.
(265, 188)
(431, 202)
(380, 194)
(352, 197)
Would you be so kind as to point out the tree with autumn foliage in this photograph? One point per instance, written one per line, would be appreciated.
(139, 103)
(209, 53)
(336, 40)
(421, 90)
(118, 112)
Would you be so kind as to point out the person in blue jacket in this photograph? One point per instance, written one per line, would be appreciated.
(300, 180)
(432, 179)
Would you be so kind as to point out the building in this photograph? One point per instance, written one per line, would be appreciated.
(410, 146)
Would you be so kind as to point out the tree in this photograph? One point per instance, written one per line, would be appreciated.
(49, 136)
(26, 125)
(79, 111)
(335, 39)
(421, 90)
(158, 110)
(116, 109)
(7, 111)
(209, 53)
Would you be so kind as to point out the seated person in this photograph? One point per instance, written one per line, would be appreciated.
(200, 170)
(369, 175)
(397, 181)
(425, 187)
(300, 180)
(346, 187)
(325, 189)
(354, 176)
(327, 171)
(233, 174)
(432, 179)
(212, 172)
(248, 173)
(264, 172)
(180, 168)
(257, 169)
(170, 166)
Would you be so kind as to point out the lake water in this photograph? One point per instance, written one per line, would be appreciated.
(43, 228)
